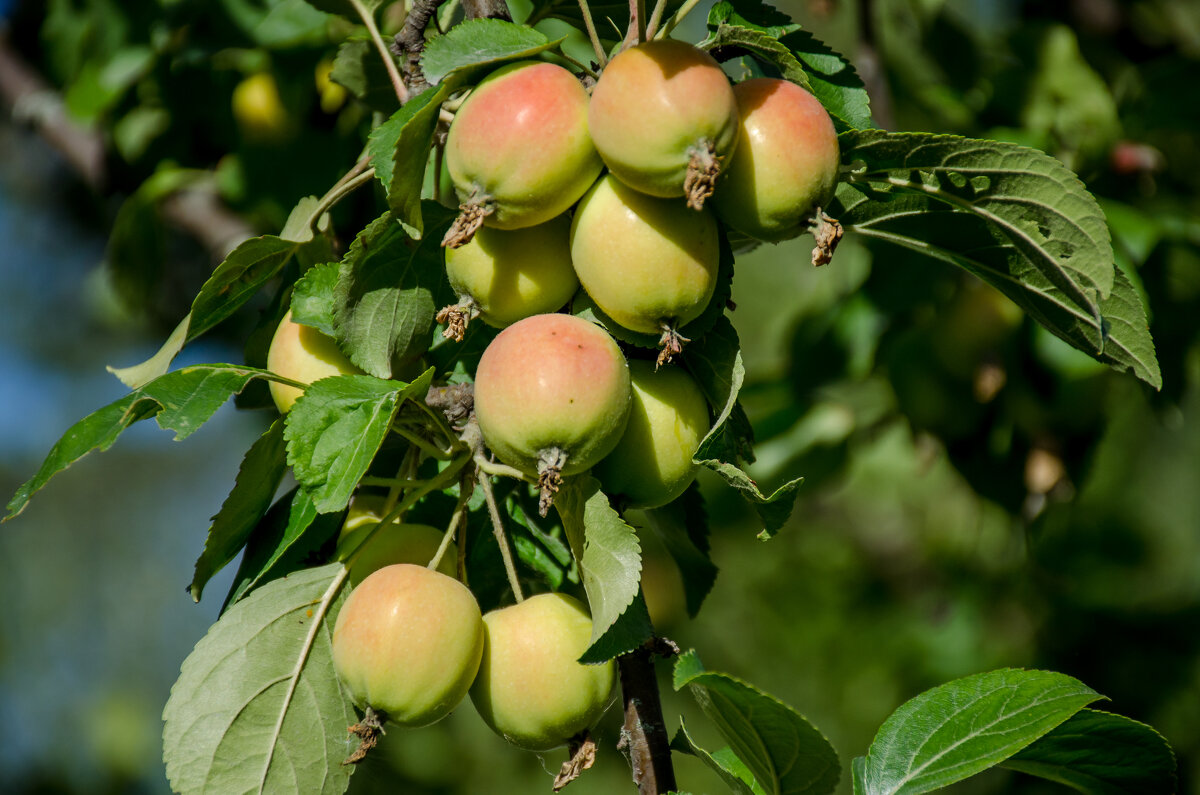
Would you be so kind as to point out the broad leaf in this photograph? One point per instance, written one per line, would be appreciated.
(313, 298)
(258, 477)
(399, 149)
(335, 429)
(1014, 217)
(724, 763)
(257, 706)
(716, 363)
(832, 80)
(610, 563)
(480, 42)
(181, 401)
(966, 726)
(361, 71)
(743, 26)
(1099, 753)
(784, 753)
(282, 542)
(389, 289)
(682, 526)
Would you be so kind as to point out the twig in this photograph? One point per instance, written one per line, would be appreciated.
(644, 734)
(601, 58)
(410, 42)
(510, 567)
(676, 18)
(460, 510)
(655, 18)
(388, 61)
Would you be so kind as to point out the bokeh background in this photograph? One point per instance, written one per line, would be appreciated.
(978, 495)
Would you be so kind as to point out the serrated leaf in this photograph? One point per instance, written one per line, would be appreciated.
(399, 150)
(258, 477)
(389, 289)
(181, 401)
(335, 429)
(724, 763)
(610, 564)
(1099, 753)
(480, 42)
(752, 15)
(755, 28)
(290, 532)
(313, 297)
(359, 69)
(783, 751)
(716, 363)
(682, 526)
(1014, 217)
(966, 726)
(258, 706)
(833, 80)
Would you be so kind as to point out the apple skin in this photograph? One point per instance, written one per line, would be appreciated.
(521, 138)
(531, 689)
(785, 164)
(408, 641)
(652, 106)
(652, 464)
(397, 543)
(514, 274)
(303, 354)
(552, 381)
(644, 261)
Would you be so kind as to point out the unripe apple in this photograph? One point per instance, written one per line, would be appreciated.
(504, 276)
(518, 150)
(664, 119)
(258, 109)
(552, 397)
(531, 689)
(408, 642)
(650, 264)
(396, 543)
(303, 354)
(785, 165)
(652, 464)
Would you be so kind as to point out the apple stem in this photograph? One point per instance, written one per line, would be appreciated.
(460, 510)
(506, 555)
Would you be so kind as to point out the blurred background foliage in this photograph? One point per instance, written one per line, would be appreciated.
(977, 494)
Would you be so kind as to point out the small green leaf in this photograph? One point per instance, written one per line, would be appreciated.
(399, 149)
(832, 80)
(966, 726)
(182, 401)
(141, 374)
(258, 706)
(258, 477)
(282, 542)
(755, 28)
(682, 526)
(313, 298)
(335, 429)
(247, 268)
(1099, 753)
(784, 753)
(724, 763)
(480, 43)
(299, 226)
(361, 71)
(610, 563)
(389, 289)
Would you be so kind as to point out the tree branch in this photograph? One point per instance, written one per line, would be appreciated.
(410, 43)
(644, 739)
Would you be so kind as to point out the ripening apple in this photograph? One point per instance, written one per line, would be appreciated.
(531, 688)
(395, 543)
(652, 464)
(302, 354)
(259, 110)
(408, 642)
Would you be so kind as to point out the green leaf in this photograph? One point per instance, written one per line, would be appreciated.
(682, 526)
(389, 289)
(966, 726)
(1099, 753)
(257, 706)
(716, 363)
(282, 543)
(258, 477)
(141, 374)
(1014, 217)
(858, 769)
(182, 401)
(335, 429)
(478, 43)
(832, 80)
(299, 225)
(361, 71)
(345, 8)
(751, 15)
(783, 752)
(610, 563)
(313, 298)
(724, 763)
(754, 28)
(399, 149)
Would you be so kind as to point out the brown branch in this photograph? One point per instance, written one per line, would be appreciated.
(410, 43)
(644, 739)
(197, 210)
(486, 9)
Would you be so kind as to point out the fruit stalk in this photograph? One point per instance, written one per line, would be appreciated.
(644, 739)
